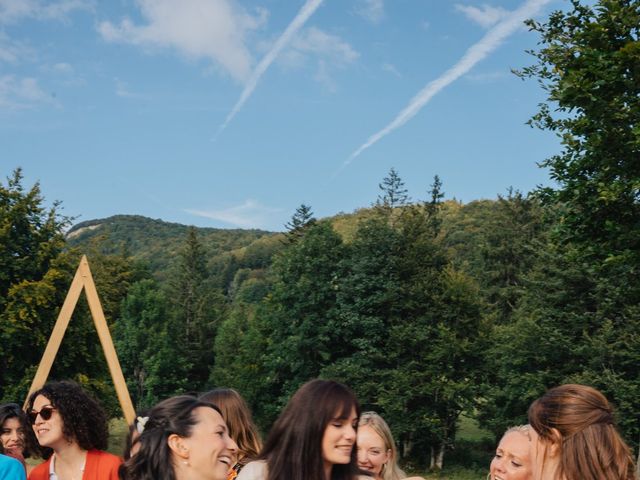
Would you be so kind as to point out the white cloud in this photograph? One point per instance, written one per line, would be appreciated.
(329, 51)
(214, 30)
(387, 67)
(330, 47)
(296, 24)
(371, 10)
(122, 90)
(10, 51)
(476, 53)
(12, 11)
(250, 214)
(21, 93)
(485, 16)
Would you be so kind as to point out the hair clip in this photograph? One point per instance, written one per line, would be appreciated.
(140, 423)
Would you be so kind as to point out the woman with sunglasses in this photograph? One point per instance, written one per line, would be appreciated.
(71, 427)
(16, 437)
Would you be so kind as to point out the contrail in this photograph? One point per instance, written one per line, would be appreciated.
(492, 40)
(303, 15)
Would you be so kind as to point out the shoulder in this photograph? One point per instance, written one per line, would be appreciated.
(103, 463)
(40, 472)
(253, 471)
(11, 469)
(414, 478)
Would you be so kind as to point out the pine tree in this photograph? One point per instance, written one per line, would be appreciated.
(300, 221)
(393, 192)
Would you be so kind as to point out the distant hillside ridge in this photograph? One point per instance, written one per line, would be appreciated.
(155, 241)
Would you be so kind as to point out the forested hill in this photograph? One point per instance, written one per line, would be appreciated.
(154, 241)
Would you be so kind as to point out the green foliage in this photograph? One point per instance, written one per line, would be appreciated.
(393, 192)
(155, 242)
(577, 320)
(196, 310)
(589, 65)
(301, 219)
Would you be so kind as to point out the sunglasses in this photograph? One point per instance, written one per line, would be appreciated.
(45, 413)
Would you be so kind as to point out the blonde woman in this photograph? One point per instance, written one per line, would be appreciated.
(512, 460)
(377, 452)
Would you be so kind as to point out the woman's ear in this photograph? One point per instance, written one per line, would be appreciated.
(177, 445)
(556, 442)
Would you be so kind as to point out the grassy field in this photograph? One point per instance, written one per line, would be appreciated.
(469, 460)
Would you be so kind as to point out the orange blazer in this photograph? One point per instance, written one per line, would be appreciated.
(99, 466)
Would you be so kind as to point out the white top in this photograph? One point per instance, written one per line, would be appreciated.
(253, 471)
(52, 468)
(258, 471)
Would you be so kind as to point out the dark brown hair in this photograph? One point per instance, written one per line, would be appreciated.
(237, 416)
(293, 449)
(13, 410)
(153, 461)
(84, 421)
(590, 446)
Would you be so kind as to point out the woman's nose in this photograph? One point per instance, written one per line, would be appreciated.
(232, 445)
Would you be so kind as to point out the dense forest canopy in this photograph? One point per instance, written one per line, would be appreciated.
(427, 308)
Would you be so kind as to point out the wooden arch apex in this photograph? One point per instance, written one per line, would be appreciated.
(84, 280)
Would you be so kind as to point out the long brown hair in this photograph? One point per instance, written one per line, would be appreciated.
(293, 449)
(590, 446)
(237, 416)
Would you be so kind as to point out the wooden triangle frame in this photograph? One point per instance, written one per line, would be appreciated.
(84, 280)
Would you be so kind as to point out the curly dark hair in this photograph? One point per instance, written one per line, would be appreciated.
(13, 410)
(84, 421)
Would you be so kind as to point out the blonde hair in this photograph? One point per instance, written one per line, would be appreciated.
(523, 429)
(390, 470)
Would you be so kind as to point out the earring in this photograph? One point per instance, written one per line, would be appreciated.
(186, 462)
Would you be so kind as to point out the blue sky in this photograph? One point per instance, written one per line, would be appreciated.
(231, 113)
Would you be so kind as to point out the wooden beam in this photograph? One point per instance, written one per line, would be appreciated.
(107, 343)
(84, 279)
(55, 339)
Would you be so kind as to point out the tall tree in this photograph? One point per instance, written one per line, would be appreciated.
(301, 312)
(300, 221)
(392, 191)
(589, 65)
(589, 289)
(31, 236)
(198, 305)
(34, 276)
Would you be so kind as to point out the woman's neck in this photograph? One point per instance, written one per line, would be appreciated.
(69, 461)
(328, 467)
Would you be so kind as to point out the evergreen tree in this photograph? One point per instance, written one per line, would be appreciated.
(300, 221)
(197, 308)
(301, 313)
(433, 206)
(393, 192)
